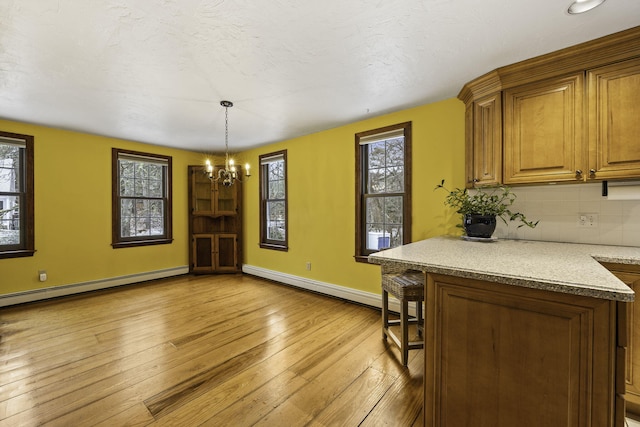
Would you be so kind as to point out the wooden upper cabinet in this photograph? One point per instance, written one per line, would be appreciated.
(571, 115)
(614, 120)
(484, 141)
(543, 131)
(211, 197)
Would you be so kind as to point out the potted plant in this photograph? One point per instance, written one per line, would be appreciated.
(480, 209)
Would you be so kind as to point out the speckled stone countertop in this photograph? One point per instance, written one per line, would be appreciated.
(558, 267)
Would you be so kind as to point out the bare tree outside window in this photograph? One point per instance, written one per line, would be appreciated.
(273, 201)
(276, 216)
(16, 195)
(142, 198)
(383, 209)
(385, 185)
(10, 221)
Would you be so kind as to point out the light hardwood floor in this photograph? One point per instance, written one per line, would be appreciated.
(203, 350)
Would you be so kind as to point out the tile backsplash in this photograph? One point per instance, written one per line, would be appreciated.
(558, 208)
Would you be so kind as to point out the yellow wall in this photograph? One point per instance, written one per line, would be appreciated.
(73, 203)
(73, 213)
(321, 194)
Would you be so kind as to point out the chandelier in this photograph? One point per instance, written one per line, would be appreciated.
(229, 174)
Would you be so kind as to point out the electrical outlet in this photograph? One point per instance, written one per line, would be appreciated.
(42, 275)
(587, 220)
(308, 266)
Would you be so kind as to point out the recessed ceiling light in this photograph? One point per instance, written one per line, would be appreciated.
(581, 6)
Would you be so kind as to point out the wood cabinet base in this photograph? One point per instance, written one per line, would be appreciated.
(499, 355)
(630, 275)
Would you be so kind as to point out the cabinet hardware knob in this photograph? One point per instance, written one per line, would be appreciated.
(579, 173)
(592, 173)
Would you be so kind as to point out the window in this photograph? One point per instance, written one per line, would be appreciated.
(383, 189)
(141, 199)
(16, 195)
(273, 201)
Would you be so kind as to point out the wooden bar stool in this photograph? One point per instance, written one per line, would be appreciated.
(406, 286)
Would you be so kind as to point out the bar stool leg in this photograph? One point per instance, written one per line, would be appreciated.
(385, 314)
(419, 318)
(404, 330)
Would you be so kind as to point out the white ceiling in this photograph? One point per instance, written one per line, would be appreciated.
(155, 71)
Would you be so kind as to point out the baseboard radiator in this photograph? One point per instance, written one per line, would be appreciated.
(94, 285)
(342, 292)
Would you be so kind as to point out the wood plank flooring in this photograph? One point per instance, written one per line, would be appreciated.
(228, 350)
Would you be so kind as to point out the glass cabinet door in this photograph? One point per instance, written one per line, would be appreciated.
(225, 199)
(212, 197)
(202, 193)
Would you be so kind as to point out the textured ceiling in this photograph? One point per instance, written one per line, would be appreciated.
(155, 71)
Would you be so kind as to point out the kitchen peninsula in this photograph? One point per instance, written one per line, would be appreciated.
(521, 332)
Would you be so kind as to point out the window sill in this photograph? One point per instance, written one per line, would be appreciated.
(362, 258)
(135, 243)
(274, 247)
(17, 253)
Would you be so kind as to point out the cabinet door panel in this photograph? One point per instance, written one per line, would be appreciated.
(226, 254)
(468, 145)
(543, 131)
(496, 355)
(203, 250)
(614, 124)
(632, 279)
(487, 141)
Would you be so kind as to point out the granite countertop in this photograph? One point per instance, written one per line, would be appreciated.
(559, 267)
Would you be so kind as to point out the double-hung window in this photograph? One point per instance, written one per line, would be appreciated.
(16, 195)
(383, 189)
(141, 205)
(273, 201)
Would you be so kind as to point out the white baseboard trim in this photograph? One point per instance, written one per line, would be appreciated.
(76, 288)
(349, 294)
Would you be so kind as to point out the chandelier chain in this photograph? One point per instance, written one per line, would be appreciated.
(226, 135)
(226, 128)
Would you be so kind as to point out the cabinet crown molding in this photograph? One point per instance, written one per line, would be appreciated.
(591, 54)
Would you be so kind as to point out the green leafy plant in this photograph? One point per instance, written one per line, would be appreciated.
(486, 201)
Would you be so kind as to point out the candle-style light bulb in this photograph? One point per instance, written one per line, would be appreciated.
(246, 169)
(209, 168)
